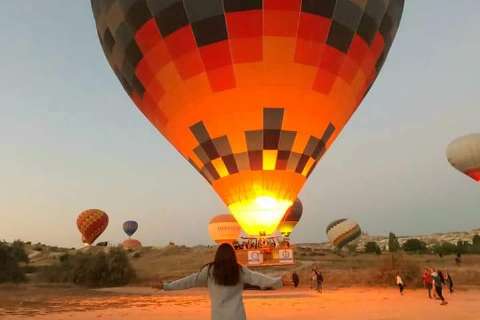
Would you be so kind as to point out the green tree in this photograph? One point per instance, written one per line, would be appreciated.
(444, 248)
(372, 247)
(18, 251)
(476, 243)
(414, 245)
(10, 271)
(393, 244)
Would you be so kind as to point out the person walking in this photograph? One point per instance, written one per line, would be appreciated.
(225, 279)
(438, 284)
(319, 277)
(400, 283)
(295, 279)
(428, 281)
(313, 278)
(449, 281)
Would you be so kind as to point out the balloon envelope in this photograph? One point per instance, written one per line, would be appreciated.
(343, 231)
(464, 155)
(252, 93)
(291, 218)
(131, 244)
(224, 228)
(91, 223)
(130, 227)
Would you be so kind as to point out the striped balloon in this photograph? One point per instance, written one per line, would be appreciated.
(464, 155)
(343, 231)
(130, 227)
(91, 223)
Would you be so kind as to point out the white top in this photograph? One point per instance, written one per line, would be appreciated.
(399, 280)
(227, 301)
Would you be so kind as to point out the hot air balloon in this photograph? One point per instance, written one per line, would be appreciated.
(91, 223)
(224, 228)
(291, 218)
(131, 244)
(252, 93)
(343, 231)
(130, 227)
(464, 155)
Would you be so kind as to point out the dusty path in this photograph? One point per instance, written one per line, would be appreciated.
(340, 304)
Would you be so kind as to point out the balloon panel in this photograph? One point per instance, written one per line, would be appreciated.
(131, 244)
(343, 231)
(224, 228)
(291, 218)
(91, 223)
(464, 155)
(252, 93)
(130, 227)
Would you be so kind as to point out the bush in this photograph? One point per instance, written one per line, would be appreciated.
(409, 270)
(444, 248)
(10, 271)
(414, 245)
(372, 247)
(92, 270)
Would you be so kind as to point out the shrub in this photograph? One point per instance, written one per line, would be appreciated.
(372, 247)
(92, 270)
(10, 271)
(444, 248)
(18, 251)
(414, 245)
(409, 270)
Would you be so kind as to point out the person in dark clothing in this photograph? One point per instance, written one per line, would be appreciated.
(438, 284)
(449, 281)
(319, 277)
(295, 279)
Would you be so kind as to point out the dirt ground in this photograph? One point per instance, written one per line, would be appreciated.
(145, 303)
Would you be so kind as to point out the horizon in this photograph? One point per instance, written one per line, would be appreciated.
(73, 140)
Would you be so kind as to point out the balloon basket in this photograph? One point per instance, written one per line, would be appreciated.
(264, 252)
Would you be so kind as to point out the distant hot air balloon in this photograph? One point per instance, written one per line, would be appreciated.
(252, 93)
(131, 244)
(343, 231)
(224, 228)
(91, 223)
(464, 155)
(291, 218)
(130, 227)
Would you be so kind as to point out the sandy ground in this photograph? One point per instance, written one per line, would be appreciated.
(288, 303)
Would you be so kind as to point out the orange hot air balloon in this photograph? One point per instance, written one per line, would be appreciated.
(252, 93)
(224, 228)
(131, 244)
(291, 218)
(91, 223)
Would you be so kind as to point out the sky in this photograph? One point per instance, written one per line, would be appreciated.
(71, 139)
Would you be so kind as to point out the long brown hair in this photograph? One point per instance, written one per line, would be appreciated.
(225, 268)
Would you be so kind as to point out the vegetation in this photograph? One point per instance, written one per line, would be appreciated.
(415, 245)
(409, 270)
(92, 269)
(10, 258)
(393, 244)
(372, 247)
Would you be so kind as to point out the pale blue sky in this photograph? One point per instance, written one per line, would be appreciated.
(71, 139)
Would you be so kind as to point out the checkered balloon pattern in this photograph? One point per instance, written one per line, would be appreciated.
(91, 223)
(251, 92)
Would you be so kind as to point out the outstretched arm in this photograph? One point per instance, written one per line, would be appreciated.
(258, 279)
(197, 279)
